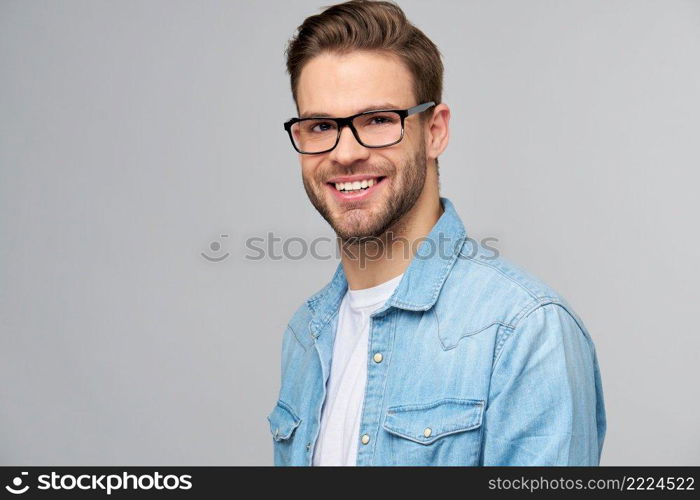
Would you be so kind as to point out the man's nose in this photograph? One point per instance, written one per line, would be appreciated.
(348, 150)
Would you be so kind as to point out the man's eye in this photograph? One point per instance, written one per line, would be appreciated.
(384, 119)
(316, 127)
(322, 127)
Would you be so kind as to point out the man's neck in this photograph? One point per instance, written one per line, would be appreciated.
(385, 258)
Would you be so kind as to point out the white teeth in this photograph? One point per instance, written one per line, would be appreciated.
(356, 185)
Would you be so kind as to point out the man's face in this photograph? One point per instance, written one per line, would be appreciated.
(342, 85)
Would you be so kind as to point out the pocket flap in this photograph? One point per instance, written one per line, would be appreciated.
(424, 423)
(283, 420)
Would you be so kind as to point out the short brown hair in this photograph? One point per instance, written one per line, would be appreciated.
(368, 25)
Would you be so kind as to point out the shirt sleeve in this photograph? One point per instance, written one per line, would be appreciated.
(545, 403)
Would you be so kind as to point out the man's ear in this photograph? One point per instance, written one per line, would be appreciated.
(438, 133)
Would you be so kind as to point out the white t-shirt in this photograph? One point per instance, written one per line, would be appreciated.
(342, 409)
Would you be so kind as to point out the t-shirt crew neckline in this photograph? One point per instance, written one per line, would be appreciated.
(366, 297)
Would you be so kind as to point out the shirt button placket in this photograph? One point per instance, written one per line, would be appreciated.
(380, 333)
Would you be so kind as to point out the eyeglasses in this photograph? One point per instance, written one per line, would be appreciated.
(373, 129)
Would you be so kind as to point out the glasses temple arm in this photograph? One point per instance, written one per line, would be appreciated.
(420, 108)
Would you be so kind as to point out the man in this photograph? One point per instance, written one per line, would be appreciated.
(423, 349)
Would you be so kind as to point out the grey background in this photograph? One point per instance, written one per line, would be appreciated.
(133, 134)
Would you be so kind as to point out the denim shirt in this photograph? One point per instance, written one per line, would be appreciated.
(482, 364)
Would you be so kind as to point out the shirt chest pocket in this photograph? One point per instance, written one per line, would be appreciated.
(283, 422)
(441, 432)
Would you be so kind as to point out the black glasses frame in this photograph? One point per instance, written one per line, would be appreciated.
(342, 122)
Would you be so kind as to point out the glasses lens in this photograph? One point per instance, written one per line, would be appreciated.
(315, 135)
(378, 129)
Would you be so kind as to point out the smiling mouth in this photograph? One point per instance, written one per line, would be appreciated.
(356, 186)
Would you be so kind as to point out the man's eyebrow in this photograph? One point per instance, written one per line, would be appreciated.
(320, 114)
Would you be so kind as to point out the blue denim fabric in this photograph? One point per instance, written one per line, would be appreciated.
(483, 364)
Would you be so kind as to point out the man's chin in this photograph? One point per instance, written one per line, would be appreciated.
(354, 220)
(358, 229)
(346, 232)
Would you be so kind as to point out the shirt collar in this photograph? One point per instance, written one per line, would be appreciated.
(422, 280)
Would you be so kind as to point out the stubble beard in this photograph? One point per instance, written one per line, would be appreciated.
(401, 195)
